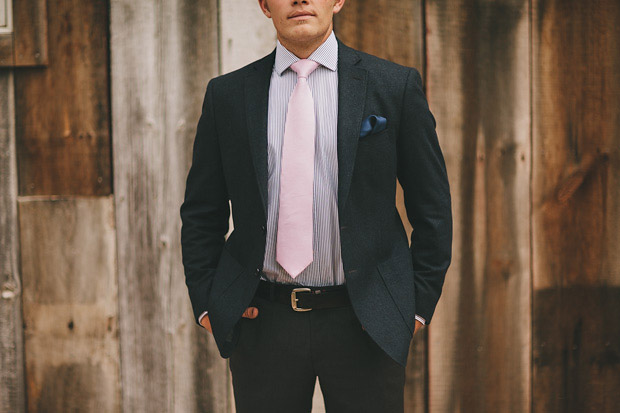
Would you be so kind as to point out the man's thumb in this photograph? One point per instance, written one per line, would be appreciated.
(251, 312)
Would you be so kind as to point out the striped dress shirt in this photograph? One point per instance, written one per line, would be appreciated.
(326, 266)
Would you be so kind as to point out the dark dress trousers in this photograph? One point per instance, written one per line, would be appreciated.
(388, 282)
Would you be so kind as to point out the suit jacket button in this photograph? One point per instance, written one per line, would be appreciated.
(257, 271)
(264, 228)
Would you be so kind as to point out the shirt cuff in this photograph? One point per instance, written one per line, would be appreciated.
(420, 319)
(201, 317)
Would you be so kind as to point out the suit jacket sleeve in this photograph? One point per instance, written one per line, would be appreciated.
(422, 174)
(205, 210)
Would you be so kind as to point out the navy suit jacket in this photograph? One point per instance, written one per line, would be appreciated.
(388, 281)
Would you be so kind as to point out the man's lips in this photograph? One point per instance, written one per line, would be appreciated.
(301, 16)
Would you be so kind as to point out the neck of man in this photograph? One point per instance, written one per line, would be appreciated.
(304, 49)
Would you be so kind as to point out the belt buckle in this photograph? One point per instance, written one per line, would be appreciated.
(294, 298)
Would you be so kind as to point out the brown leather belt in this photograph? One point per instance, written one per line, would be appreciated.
(302, 298)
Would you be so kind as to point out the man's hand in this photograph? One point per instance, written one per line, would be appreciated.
(417, 326)
(206, 323)
(250, 312)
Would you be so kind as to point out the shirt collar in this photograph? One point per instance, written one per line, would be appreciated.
(326, 54)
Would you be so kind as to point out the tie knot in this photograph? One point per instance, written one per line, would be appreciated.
(303, 67)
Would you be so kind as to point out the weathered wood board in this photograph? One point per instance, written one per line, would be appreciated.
(246, 34)
(162, 55)
(12, 396)
(30, 32)
(62, 110)
(390, 29)
(70, 304)
(478, 89)
(23, 33)
(393, 30)
(576, 206)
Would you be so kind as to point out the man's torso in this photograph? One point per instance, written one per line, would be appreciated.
(326, 266)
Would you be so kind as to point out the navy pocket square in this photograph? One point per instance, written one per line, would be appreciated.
(373, 124)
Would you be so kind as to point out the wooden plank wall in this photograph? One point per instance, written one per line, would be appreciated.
(401, 40)
(70, 303)
(478, 83)
(162, 55)
(66, 221)
(12, 394)
(23, 42)
(62, 110)
(576, 205)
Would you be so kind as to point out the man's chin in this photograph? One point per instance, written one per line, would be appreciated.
(303, 33)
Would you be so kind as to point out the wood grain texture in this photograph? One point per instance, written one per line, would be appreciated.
(390, 29)
(70, 304)
(12, 395)
(576, 205)
(6, 50)
(478, 89)
(246, 34)
(393, 30)
(30, 32)
(163, 55)
(62, 110)
(26, 44)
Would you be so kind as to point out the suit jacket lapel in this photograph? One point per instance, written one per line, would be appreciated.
(352, 82)
(256, 108)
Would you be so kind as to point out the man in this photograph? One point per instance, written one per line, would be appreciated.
(317, 278)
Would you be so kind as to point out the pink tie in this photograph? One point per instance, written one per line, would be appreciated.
(294, 238)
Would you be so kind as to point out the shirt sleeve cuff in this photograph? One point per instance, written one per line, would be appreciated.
(201, 317)
(420, 319)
